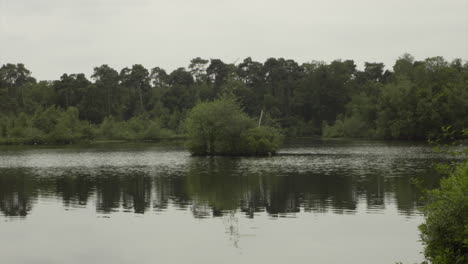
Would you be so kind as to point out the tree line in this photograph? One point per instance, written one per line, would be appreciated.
(336, 99)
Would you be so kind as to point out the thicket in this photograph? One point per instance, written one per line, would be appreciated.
(445, 230)
(57, 126)
(136, 128)
(51, 125)
(222, 128)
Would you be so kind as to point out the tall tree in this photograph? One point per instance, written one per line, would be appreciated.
(71, 89)
(107, 81)
(217, 73)
(137, 82)
(13, 77)
(198, 69)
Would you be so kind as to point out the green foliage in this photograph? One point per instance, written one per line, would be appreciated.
(261, 140)
(222, 128)
(297, 128)
(413, 103)
(56, 126)
(445, 230)
(334, 131)
(215, 127)
(50, 126)
(137, 128)
(351, 127)
(451, 141)
(361, 113)
(396, 111)
(332, 99)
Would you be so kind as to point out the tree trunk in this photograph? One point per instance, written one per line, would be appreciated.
(260, 119)
(141, 100)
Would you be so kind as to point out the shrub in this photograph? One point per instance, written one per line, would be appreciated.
(154, 131)
(222, 128)
(261, 140)
(445, 230)
(356, 127)
(137, 128)
(337, 130)
(51, 125)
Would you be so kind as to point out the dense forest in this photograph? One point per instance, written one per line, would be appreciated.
(412, 101)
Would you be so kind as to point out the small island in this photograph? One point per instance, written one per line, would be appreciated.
(221, 127)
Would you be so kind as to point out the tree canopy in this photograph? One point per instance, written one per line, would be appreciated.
(412, 100)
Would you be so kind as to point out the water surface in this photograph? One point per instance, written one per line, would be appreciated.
(317, 201)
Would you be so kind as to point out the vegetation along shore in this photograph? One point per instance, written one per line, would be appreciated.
(411, 100)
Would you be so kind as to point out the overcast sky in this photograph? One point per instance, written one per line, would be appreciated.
(71, 36)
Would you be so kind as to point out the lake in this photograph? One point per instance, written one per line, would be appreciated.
(318, 201)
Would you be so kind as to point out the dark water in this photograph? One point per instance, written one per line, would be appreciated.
(316, 202)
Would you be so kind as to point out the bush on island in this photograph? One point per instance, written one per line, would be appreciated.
(222, 128)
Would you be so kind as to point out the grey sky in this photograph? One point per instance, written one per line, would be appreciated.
(69, 36)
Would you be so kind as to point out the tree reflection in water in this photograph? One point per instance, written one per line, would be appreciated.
(209, 187)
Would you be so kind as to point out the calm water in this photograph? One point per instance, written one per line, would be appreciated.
(316, 202)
